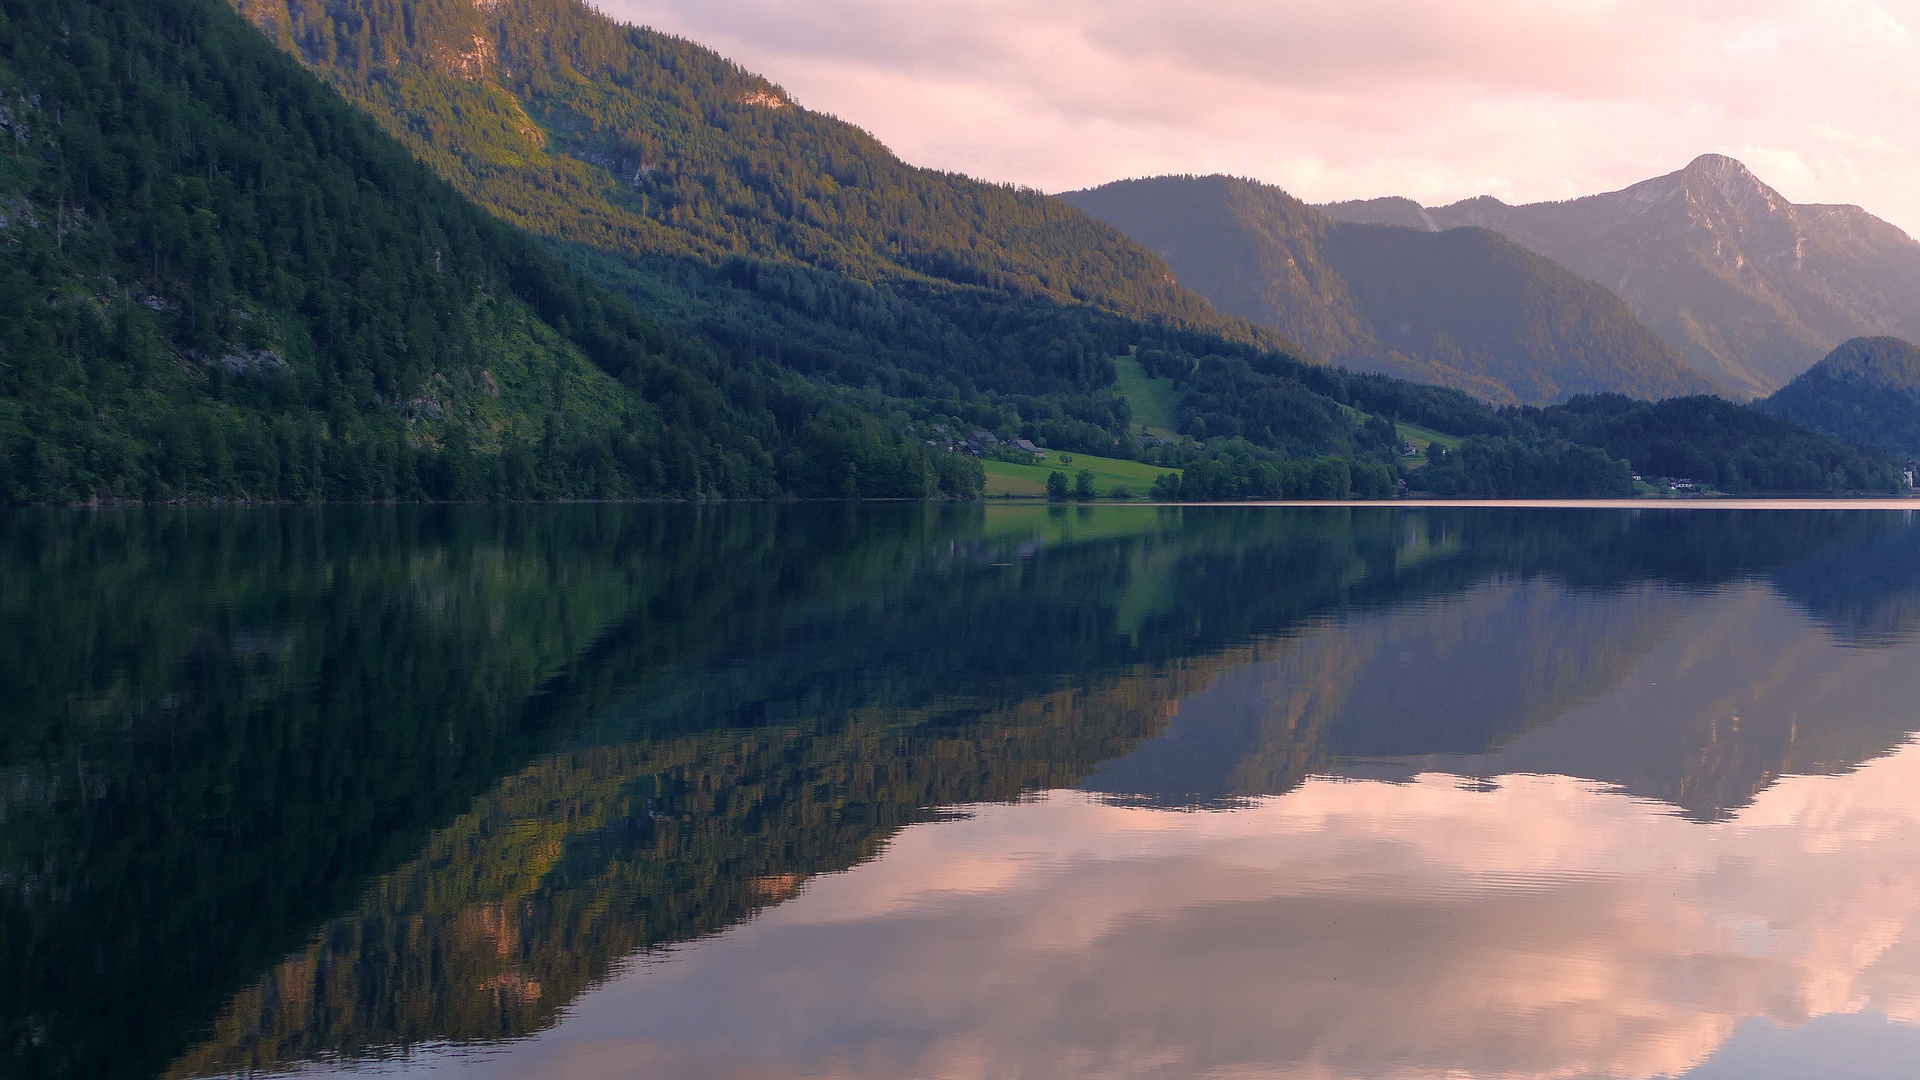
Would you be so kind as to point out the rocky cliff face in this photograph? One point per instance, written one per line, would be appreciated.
(1750, 288)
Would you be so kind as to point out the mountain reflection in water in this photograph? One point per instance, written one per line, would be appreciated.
(879, 791)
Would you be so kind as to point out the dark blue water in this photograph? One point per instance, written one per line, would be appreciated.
(877, 791)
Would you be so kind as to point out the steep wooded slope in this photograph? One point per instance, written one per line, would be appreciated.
(619, 137)
(1751, 288)
(223, 281)
(1466, 308)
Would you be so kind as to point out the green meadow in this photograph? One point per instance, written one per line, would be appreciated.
(1007, 478)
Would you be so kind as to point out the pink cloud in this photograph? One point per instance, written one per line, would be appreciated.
(1436, 100)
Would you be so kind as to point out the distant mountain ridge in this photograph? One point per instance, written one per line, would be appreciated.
(1749, 287)
(1865, 392)
(1468, 308)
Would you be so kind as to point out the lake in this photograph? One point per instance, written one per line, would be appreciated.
(880, 791)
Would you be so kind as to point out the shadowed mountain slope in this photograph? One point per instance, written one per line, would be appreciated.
(1750, 288)
(1467, 308)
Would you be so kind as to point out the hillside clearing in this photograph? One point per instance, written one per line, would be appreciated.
(1007, 478)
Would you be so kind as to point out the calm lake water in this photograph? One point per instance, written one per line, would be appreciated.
(888, 791)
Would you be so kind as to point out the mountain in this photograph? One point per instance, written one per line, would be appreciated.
(400, 343)
(1865, 392)
(774, 232)
(1750, 288)
(631, 141)
(1466, 308)
(225, 282)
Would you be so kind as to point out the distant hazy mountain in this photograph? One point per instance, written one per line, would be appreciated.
(1466, 308)
(1866, 392)
(1750, 288)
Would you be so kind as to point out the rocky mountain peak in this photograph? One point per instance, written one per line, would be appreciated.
(1748, 286)
(1718, 166)
(1734, 182)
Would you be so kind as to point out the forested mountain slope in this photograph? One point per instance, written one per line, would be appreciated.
(632, 141)
(1751, 288)
(1586, 446)
(1866, 392)
(1466, 308)
(223, 281)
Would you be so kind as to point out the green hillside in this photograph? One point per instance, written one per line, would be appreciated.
(1865, 392)
(1466, 308)
(225, 282)
(628, 140)
(752, 223)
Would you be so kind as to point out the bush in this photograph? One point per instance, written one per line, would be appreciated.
(1083, 485)
(960, 476)
(1120, 491)
(1056, 485)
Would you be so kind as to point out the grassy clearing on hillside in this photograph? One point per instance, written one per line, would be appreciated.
(1420, 436)
(1006, 478)
(1413, 433)
(1152, 400)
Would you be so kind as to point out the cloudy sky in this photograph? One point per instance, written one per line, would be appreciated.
(1434, 99)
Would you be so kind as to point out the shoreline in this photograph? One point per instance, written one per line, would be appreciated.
(1715, 502)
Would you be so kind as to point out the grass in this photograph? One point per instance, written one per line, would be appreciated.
(1420, 436)
(1151, 400)
(1006, 478)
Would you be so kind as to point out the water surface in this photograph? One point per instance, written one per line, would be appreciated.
(910, 791)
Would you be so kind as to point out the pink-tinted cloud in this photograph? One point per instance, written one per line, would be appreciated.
(1436, 99)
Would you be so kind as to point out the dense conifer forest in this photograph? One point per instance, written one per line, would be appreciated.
(1866, 392)
(224, 282)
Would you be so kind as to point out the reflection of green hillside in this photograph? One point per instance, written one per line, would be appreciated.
(220, 725)
(1867, 592)
(214, 748)
(231, 724)
(583, 860)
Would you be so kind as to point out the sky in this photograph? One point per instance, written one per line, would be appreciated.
(1433, 99)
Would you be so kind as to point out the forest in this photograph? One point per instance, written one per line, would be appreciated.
(223, 282)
